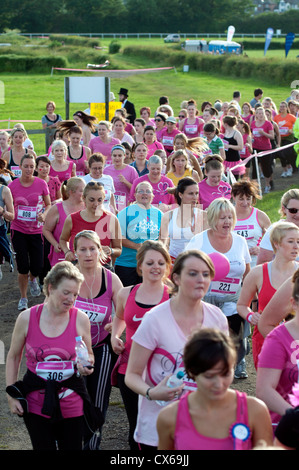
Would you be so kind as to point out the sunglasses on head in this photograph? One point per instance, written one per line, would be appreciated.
(292, 210)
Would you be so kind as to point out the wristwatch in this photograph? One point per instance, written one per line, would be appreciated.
(147, 394)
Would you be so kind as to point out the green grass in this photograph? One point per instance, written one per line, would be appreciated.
(271, 204)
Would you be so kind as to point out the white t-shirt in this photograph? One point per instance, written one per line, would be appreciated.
(108, 183)
(238, 256)
(160, 333)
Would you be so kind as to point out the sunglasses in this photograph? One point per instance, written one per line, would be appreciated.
(95, 183)
(158, 120)
(181, 116)
(292, 210)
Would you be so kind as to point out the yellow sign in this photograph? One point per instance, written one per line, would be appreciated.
(99, 109)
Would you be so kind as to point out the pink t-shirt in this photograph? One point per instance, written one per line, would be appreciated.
(280, 351)
(167, 139)
(160, 190)
(260, 142)
(28, 203)
(122, 192)
(97, 145)
(153, 147)
(160, 333)
(208, 193)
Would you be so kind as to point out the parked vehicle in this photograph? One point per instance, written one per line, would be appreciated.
(172, 38)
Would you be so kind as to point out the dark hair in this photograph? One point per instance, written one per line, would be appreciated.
(163, 100)
(205, 349)
(210, 127)
(96, 157)
(246, 188)
(236, 94)
(44, 159)
(183, 183)
(230, 120)
(258, 91)
(295, 281)
(204, 104)
(90, 121)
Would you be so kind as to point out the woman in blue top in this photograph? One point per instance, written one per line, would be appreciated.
(140, 162)
(139, 222)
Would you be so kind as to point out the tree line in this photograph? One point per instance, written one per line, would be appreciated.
(150, 16)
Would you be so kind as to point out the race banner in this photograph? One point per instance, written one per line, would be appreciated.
(269, 35)
(289, 42)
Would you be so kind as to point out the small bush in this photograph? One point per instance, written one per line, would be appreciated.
(114, 46)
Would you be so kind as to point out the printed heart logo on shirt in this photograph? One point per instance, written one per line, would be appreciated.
(162, 187)
(223, 190)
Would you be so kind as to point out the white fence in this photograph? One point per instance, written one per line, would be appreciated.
(150, 35)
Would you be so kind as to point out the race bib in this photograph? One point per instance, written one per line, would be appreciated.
(284, 130)
(96, 313)
(16, 171)
(27, 213)
(55, 370)
(167, 141)
(256, 133)
(243, 230)
(191, 129)
(227, 285)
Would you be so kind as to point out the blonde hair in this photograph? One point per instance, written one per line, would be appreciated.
(286, 197)
(92, 236)
(177, 154)
(216, 207)
(279, 231)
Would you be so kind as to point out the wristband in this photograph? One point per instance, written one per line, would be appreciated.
(147, 395)
(249, 317)
(67, 252)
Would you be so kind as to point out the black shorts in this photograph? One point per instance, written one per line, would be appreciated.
(29, 249)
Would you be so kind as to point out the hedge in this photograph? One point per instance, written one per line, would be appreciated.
(270, 70)
(23, 63)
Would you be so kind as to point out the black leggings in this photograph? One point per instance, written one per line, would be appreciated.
(266, 165)
(130, 400)
(29, 250)
(67, 434)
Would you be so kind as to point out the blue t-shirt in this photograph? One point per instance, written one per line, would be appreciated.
(137, 225)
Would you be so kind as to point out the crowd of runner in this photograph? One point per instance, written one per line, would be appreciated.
(143, 237)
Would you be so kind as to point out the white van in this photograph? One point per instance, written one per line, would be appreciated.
(172, 38)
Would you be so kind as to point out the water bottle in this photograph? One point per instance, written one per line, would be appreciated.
(174, 381)
(82, 356)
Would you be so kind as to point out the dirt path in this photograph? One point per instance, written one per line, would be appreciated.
(13, 435)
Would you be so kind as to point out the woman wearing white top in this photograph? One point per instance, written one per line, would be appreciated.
(96, 164)
(220, 238)
(179, 225)
(118, 130)
(251, 223)
(158, 343)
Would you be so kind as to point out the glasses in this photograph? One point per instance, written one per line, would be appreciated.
(181, 116)
(158, 120)
(142, 191)
(292, 210)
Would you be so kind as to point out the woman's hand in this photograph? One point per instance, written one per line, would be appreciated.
(255, 318)
(117, 345)
(162, 392)
(15, 406)
(69, 256)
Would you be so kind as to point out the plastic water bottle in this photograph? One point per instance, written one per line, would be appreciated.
(174, 381)
(82, 356)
